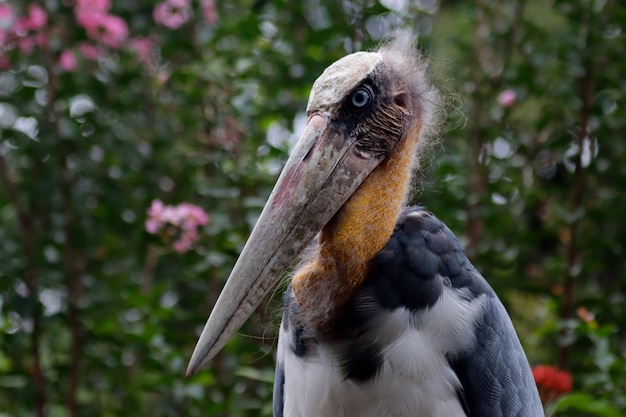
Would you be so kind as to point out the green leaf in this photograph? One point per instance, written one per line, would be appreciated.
(584, 403)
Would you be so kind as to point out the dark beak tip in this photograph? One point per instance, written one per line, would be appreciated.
(194, 367)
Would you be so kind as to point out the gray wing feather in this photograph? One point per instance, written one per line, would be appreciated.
(495, 374)
(279, 390)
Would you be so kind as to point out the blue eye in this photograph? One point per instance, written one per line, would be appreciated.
(361, 97)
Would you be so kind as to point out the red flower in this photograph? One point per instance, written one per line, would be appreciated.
(551, 382)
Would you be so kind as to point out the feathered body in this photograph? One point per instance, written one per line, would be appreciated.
(424, 336)
(385, 317)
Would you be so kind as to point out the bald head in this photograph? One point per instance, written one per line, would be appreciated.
(341, 78)
(394, 78)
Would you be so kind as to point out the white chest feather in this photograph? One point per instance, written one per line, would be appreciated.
(414, 379)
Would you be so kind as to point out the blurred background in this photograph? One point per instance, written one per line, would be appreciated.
(139, 140)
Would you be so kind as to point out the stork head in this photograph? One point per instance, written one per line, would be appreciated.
(359, 110)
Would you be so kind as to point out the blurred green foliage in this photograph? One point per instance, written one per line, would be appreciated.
(99, 317)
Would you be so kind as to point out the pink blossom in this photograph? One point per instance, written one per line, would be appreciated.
(154, 223)
(101, 26)
(113, 31)
(89, 19)
(94, 5)
(172, 215)
(89, 51)
(67, 60)
(179, 222)
(507, 98)
(194, 216)
(156, 208)
(142, 47)
(172, 13)
(209, 11)
(105, 28)
(182, 245)
(153, 226)
(36, 19)
(90, 13)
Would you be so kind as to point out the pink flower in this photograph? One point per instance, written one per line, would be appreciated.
(101, 26)
(153, 226)
(179, 222)
(196, 215)
(172, 13)
(209, 11)
(109, 29)
(89, 51)
(113, 31)
(67, 60)
(89, 19)
(94, 5)
(182, 245)
(154, 221)
(36, 19)
(142, 47)
(507, 98)
(156, 208)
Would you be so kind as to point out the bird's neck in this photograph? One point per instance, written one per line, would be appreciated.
(355, 234)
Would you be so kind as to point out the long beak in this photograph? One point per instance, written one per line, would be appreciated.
(322, 172)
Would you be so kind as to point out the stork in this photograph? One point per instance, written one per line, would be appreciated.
(385, 315)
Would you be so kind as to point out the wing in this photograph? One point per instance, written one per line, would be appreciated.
(494, 374)
(421, 265)
(278, 399)
(279, 390)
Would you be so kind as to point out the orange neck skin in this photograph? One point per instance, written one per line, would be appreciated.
(355, 235)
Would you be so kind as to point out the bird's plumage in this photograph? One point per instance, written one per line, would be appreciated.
(425, 335)
(385, 315)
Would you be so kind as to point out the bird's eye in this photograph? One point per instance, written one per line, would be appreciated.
(361, 97)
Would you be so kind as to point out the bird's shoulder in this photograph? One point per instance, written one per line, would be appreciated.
(424, 269)
(421, 258)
